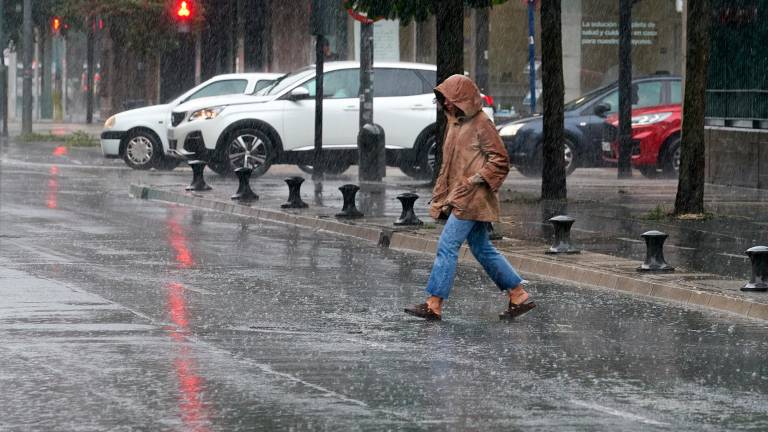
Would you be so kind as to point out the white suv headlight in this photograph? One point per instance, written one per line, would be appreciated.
(510, 130)
(205, 113)
(650, 118)
(109, 123)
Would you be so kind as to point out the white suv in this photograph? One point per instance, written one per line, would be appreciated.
(139, 135)
(277, 125)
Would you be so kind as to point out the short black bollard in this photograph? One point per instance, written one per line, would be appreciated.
(349, 209)
(562, 244)
(759, 257)
(493, 234)
(294, 193)
(408, 217)
(654, 255)
(244, 191)
(198, 182)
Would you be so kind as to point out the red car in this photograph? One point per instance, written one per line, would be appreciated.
(655, 140)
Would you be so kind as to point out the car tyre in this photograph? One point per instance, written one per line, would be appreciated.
(334, 169)
(142, 150)
(242, 142)
(423, 167)
(533, 169)
(671, 163)
(650, 172)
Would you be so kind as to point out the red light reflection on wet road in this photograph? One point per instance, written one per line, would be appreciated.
(60, 151)
(178, 241)
(194, 411)
(51, 200)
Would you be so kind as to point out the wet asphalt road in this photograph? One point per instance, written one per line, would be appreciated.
(121, 314)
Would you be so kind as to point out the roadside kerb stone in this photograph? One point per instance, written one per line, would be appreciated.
(588, 269)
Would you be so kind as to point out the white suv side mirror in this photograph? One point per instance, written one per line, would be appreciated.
(299, 93)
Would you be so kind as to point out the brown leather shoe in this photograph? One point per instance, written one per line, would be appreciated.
(514, 310)
(423, 311)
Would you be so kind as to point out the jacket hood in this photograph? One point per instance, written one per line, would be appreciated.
(463, 93)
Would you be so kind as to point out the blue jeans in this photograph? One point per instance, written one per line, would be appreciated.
(454, 234)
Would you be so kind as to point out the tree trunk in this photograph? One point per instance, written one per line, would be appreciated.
(553, 185)
(625, 89)
(690, 188)
(449, 35)
(89, 68)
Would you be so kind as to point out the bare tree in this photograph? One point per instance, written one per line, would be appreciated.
(553, 186)
(690, 188)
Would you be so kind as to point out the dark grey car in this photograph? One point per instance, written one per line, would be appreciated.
(584, 118)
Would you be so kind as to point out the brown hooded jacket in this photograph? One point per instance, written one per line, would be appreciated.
(471, 146)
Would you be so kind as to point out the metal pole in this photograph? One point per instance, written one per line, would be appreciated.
(89, 77)
(3, 79)
(26, 89)
(371, 167)
(198, 55)
(366, 73)
(625, 89)
(532, 52)
(481, 52)
(317, 165)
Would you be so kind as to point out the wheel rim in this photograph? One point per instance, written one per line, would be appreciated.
(568, 154)
(139, 150)
(676, 160)
(247, 148)
(432, 154)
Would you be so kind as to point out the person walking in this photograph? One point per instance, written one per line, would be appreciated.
(475, 164)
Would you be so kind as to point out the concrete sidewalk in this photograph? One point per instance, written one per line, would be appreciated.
(610, 217)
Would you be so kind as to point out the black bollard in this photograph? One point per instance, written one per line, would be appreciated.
(759, 257)
(408, 217)
(562, 225)
(372, 160)
(654, 256)
(492, 234)
(294, 193)
(198, 182)
(349, 210)
(244, 191)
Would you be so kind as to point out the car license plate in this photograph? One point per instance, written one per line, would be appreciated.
(606, 146)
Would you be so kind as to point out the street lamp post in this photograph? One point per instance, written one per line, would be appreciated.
(532, 52)
(26, 89)
(625, 89)
(3, 84)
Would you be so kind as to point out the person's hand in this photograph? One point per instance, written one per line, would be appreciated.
(476, 179)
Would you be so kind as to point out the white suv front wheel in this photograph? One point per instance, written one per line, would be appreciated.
(245, 146)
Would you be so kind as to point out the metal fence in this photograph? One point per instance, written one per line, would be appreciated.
(737, 92)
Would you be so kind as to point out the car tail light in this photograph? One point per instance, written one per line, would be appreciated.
(488, 100)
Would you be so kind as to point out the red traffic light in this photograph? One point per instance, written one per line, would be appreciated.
(184, 9)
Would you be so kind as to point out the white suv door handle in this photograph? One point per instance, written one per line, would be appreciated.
(420, 107)
(352, 108)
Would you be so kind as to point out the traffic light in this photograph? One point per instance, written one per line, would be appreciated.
(56, 25)
(183, 10)
(183, 13)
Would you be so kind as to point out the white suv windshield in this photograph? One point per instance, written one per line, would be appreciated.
(287, 81)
